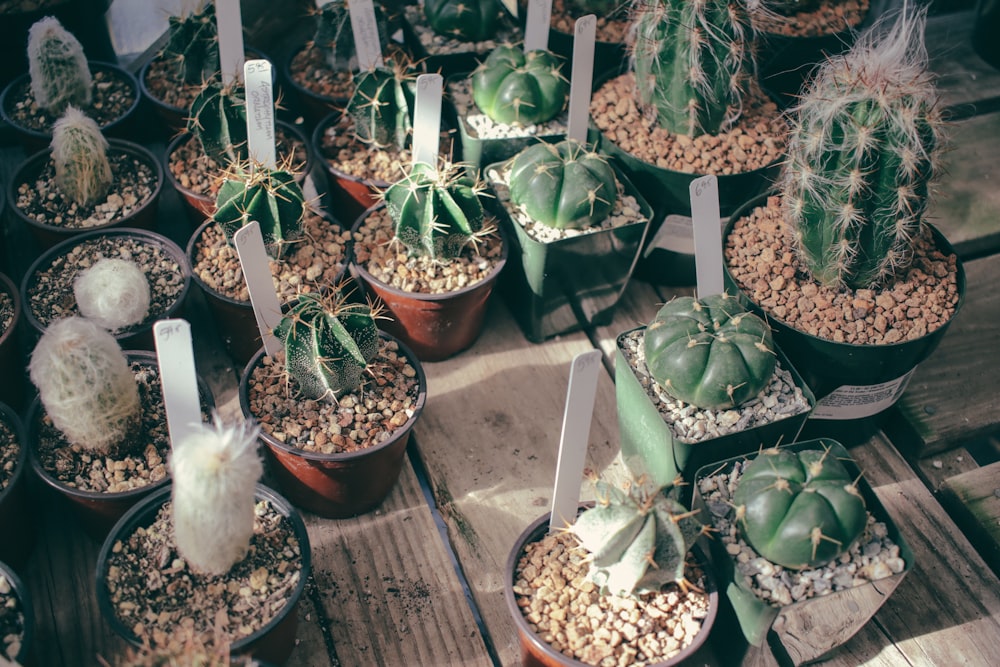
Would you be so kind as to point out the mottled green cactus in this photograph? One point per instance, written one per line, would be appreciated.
(271, 197)
(328, 344)
(465, 20)
(564, 185)
(637, 540)
(218, 119)
(799, 509)
(382, 103)
(519, 88)
(861, 158)
(57, 67)
(80, 157)
(694, 62)
(437, 212)
(334, 36)
(193, 45)
(709, 352)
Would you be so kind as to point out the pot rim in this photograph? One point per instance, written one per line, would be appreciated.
(325, 123)
(23, 596)
(21, 465)
(286, 71)
(7, 286)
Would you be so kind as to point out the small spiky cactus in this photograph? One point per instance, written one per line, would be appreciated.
(328, 344)
(57, 67)
(80, 157)
(519, 88)
(709, 352)
(437, 212)
(799, 509)
(863, 152)
(272, 197)
(113, 293)
(334, 36)
(218, 119)
(637, 539)
(193, 44)
(566, 185)
(693, 62)
(88, 390)
(383, 102)
(464, 20)
(215, 472)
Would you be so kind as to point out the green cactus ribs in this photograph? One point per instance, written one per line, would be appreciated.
(334, 36)
(193, 45)
(218, 120)
(464, 20)
(519, 88)
(382, 103)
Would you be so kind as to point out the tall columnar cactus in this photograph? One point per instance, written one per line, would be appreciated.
(87, 387)
(465, 20)
(709, 352)
(519, 88)
(799, 509)
(57, 67)
(382, 103)
(863, 152)
(437, 212)
(328, 344)
(272, 197)
(638, 541)
(193, 44)
(563, 185)
(693, 61)
(113, 293)
(218, 119)
(80, 156)
(215, 472)
(334, 36)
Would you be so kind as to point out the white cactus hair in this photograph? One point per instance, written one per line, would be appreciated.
(57, 66)
(80, 156)
(113, 293)
(215, 472)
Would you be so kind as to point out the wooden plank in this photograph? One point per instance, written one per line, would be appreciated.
(968, 84)
(938, 468)
(974, 500)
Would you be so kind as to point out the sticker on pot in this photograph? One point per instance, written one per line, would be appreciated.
(675, 234)
(859, 401)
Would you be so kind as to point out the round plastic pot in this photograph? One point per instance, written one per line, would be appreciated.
(348, 195)
(337, 486)
(138, 336)
(47, 235)
(272, 643)
(536, 652)
(17, 523)
(314, 107)
(12, 361)
(23, 595)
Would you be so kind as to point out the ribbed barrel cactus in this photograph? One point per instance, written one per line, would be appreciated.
(465, 20)
(218, 119)
(693, 61)
(437, 211)
(799, 509)
(637, 540)
(566, 185)
(382, 103)
(709, 352)
(80, 156)
(863, 152)
(271, 197)
(334, 36)
(57, 67)
(328, 344)
(192, 46)
(519, 88)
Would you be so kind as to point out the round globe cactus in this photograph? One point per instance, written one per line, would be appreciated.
(465, 20)
(518, 88)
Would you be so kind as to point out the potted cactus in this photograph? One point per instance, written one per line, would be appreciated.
(612, 28)
(631, 550)
(59, 75)
(251, 544)
(16, 512)
(805, 551)
(703, 381)
(450, 36)
(867, 286)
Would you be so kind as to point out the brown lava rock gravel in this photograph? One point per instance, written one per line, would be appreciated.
(10, 449)
(309, 69)
(6, 312)
(11, 621)
(761, 261)
(828, 18)
(612, 29)
(111, 99)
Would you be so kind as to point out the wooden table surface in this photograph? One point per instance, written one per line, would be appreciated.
(418, 581)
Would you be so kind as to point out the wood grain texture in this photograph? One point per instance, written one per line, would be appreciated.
(974, 499)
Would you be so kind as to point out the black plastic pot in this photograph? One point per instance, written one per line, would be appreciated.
(985, 31)
(23, 596)
(12, 360)
(457, 60)
(17, 524)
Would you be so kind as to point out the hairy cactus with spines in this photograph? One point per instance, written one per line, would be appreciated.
(218, 120)
(192, 46)
(566, 185)
(271, 197)
(57, 67)
(694, 62)
(334, 36)
(113, 293)
(80, 156)
(383, 102)
(863, 153)
(464, 20)
(329, 343)
(799, 509)
(519, 88)
(711, 352)
(437, 211)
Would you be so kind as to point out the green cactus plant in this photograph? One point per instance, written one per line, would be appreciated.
(334, 36)
(709, 352)
(464, 20)
(382, 103)
(218, 120)
(329, 344)
(57, 67)
(799, 509)
(80, 156)
(694, 62)
(437, 211)
(566, 185)
(863, 153)
(193, 45)
(519, 88)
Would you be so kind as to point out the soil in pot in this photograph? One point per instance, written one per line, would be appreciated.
(16, 617)
(12, 364)
(16, 510)
(825, 18)
(445, 54)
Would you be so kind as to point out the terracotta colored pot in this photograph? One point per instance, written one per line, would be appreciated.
(12, 361)
(314, 106)
(23, 595)
(17, 525)
(349, 196)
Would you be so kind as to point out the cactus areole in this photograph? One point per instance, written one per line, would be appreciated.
(193, 45)
(382, 104)
(464, 20)
(218, 119)
(710, 353)
(519, 88)
(799, 509)
(271, 197)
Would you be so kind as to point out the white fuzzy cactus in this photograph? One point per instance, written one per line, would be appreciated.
(113, 293)
(215, 472)
(57, 67)
(80, 157)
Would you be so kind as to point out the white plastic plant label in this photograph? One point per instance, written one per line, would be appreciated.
(707, 235)
(256, 267)
(427, 119)
(365, 30)
(230, 24)
(260, 113)
(175, 357)
(536, 28)
(581, 78)
(860, 401)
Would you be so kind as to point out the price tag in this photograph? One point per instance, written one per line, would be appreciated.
(707, 235)
(260, 113)
(860, 401)
(256, 267)
(230, 23)
(365, 29)
(175, 357)
(427, 119)
(536, 28)
(581, 80)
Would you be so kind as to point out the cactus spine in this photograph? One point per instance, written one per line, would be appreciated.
(86, 386)
(861, 158)
(218, 119)
(328, 344)
(464, 20)
(694, 62)
(215, 472)
(519, 88)
(79, 154)
(382, 104)
(113, 293)
(57, 67)
(334, 36)
(193, 45)
(272, 197)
